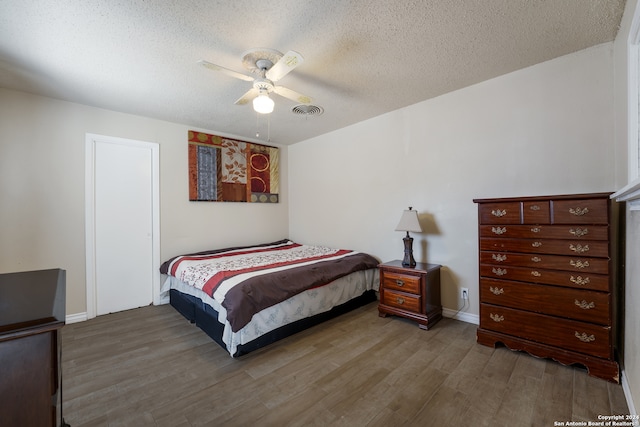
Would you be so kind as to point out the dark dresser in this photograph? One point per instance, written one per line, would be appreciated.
(548, 278)
(32, 312)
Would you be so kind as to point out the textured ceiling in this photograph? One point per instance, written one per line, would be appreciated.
(361, 58)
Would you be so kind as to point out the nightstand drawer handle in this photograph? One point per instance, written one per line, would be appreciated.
(496, 291)
(536, 230)
(579, 264)
(585, 305)
(534, 207)
(579, 248)
(499, 213)
(578, 211)
(499, 230)
(535, 273)
(536, 244)
(499, 271)
(536, 259)
(399, 282)
(400, 300)
(580, 280)
(496, 317)
(584, 337)
(579, 232)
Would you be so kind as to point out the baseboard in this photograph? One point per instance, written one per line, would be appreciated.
(627, 393)
(75, 318)
(465, 317)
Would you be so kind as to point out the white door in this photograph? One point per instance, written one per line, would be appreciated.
(124, 203)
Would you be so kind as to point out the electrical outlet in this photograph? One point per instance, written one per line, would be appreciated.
(464, 293)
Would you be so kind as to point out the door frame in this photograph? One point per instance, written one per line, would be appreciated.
(90, 227)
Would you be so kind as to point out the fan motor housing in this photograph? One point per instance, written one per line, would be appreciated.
(263, 84)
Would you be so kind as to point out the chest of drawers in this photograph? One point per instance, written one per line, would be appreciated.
(548, 276)
(411, 292)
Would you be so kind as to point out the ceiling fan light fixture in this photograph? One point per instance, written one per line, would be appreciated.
(263, 104)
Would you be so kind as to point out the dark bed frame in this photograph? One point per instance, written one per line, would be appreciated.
(206, 318)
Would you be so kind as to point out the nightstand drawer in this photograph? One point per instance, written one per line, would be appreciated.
(402, 301)
(401, 282)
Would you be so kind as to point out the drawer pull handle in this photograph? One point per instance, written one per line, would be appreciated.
(499, 257)
(580, 280)
(536, 273)
(579, 249)
(399, 283)
(400, 300)
(498, 318)
(536, 229)
(499, 213)
(499, 230)
(499, 271)
(578, 211)
(586, 305)
(579, 264)
(536, 244)
(534, 207)
(536, 259)
(496, 291)
(584, 337)
(579, 232)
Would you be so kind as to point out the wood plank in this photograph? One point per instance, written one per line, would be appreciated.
(150, 366)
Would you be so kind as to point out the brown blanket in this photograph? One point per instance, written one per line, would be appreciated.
(257, 293)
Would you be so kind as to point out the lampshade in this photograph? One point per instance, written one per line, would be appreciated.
(263, 104)
(409, 222)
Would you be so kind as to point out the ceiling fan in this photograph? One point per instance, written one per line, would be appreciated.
(270, 66)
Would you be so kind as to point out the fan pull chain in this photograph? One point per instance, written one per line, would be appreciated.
(257, 125)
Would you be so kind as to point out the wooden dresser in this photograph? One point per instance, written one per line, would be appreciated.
(548, 278)
(411, 292)
(32, 312)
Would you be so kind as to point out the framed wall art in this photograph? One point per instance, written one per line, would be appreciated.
(229, 170)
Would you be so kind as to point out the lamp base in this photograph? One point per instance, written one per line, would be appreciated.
(408, 260)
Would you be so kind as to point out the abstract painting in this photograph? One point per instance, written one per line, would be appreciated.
(223, 169)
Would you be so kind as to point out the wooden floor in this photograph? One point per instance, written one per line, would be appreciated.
(150, 367)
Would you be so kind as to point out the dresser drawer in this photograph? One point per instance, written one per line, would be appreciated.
(402, 301)
(499, 213)
(568, 334)
(554, 262)
(588, 306)
(569, 232)
(598, 282)
(401, 282)
(536, 212)
(584, 248)
(588, 211)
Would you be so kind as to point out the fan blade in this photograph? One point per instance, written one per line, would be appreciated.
(227, 71)
(248, 96)
(292, 95)
(288, 62)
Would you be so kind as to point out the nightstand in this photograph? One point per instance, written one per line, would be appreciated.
(411, 292)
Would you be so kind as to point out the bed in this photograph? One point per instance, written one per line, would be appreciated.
(247, 297)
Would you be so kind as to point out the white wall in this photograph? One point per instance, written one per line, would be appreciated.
(543, 130)
(631, 299)
(42, 170)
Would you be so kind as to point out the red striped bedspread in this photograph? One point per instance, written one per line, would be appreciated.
(248, 279)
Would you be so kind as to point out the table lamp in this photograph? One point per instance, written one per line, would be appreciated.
(409, 222)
